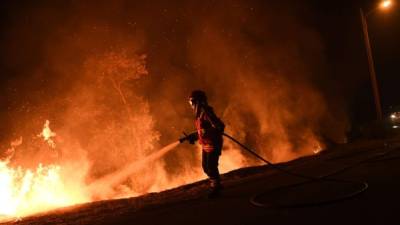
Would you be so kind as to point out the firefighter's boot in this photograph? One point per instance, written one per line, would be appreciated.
(215, 188)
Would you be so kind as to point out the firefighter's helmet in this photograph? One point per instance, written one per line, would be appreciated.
(197, 96)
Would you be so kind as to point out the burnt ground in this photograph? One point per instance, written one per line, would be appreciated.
(318, 201)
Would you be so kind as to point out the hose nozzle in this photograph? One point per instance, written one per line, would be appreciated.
(192, 137)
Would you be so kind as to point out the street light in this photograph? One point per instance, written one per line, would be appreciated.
(384, 5)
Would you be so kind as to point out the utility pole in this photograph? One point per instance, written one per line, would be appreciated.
(371, 66)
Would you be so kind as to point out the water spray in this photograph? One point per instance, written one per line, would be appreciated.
(107, 182)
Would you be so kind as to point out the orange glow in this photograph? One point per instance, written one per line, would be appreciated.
(107, 141)
(386, 4)
(47, 134)
(24, 191)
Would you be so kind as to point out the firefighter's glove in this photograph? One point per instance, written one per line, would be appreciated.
(191, 138)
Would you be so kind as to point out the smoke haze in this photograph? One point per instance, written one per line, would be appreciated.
(113, 78)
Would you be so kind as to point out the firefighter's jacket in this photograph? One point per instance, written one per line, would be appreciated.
(209, 129)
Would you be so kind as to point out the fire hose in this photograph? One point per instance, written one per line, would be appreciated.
(255, 199)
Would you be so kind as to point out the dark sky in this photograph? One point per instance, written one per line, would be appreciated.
(340, 26)
(337, 22)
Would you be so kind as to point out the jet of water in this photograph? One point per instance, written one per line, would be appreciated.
(117, 177)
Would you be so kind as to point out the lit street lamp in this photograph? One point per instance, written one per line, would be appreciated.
(384, 5)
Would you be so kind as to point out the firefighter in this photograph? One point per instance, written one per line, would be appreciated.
(209, 134)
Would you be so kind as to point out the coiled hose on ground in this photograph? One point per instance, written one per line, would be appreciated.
(256, 199)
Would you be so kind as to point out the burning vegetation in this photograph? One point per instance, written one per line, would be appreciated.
(113, 91)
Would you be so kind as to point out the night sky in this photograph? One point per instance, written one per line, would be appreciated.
(337, 22)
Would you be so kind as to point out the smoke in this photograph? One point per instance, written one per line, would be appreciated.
(113, 79)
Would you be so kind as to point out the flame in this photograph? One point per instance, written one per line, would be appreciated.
(47, 134)
(108, 146)
(317, 148)
(24, 191)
